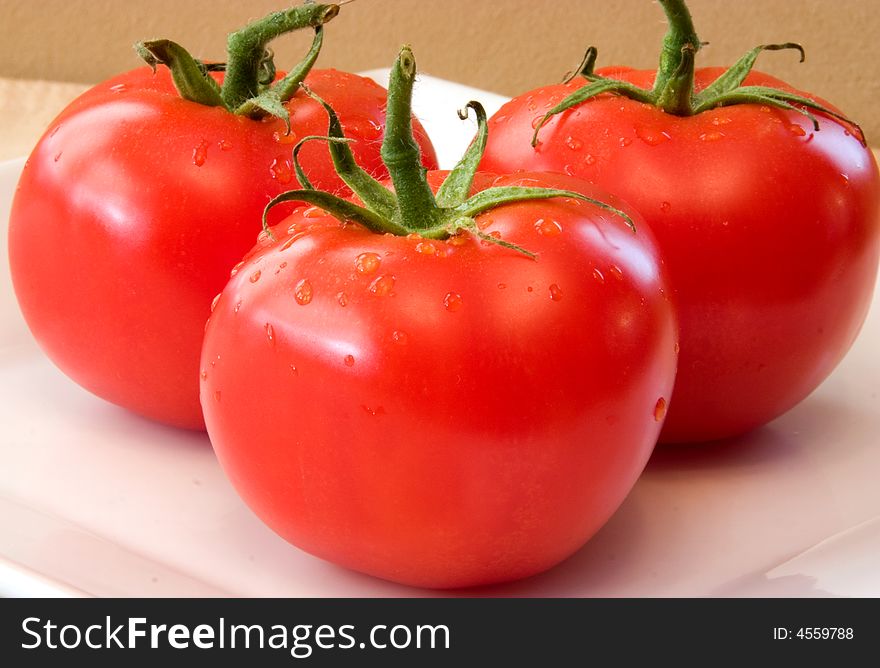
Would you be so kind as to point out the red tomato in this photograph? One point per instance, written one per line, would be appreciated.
(442, 413)
(769, 230)
(134, 206)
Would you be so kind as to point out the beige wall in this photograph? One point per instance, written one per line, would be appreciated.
(501, 45)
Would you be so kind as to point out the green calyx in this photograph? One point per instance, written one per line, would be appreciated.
(413, 208)
(249, 87)
(673, 90)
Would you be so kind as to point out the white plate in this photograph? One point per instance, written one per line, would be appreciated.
(96, 501)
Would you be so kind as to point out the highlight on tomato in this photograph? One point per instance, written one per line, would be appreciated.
(443, 381)
(763, 200)
(148, 188)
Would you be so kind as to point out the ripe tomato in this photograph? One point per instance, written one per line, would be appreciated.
(769, 228)
(442, 413)
(132, 209)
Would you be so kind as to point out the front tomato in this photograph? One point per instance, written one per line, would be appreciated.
(132, 209)
(441, 413)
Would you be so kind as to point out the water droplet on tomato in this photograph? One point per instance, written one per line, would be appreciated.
(721, 120)
(598, 275)
(660, 409)
(711, 136)
(118, 88)
(217, 395)
(367, 263)
(237, 307)
(379, 410)
(502, 286)
(224, 145)
(796, 130)
(500, 118)
(590, 159)
(570, 170)
(555, 292)
(342, 298)
(284, 138)
(214, 301)
(536, 120)
(530, 289)
(452, 301)
(625, 141)
(615, 271)
(294, 370)
(676, 348)
(314, 212)
(400, 338)
(652, 136)
(547, 227)
(200, 153)
(425, 248)
(349, 360)
(665, 206)
(382, 286)
(270, 333)
(280, 267)
(574, 143)
(281, 170)
(203, 375)
(255, 276)
(302, 292)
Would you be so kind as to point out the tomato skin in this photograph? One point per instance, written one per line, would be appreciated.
(768, 228)
(131, 211)
(441, 413)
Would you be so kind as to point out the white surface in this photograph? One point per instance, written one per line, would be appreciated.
(95, 501)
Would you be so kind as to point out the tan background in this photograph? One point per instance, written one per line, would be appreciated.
(500, 45)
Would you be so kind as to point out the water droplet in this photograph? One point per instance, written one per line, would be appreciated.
(598, 275)
(203, 375)
(382, 286)
(652, 136)
(625, 141)
(224, 145)
(255, 276)
(797, 130)
(765, 108)
(452, 301)
(615, 271)
(555, 293)
(217, 395)
(214, 301)
(237, 307)
(400, 338)
(711, 136)
(530, 289)
(500, 118)
(379, 410)
(342, 298)
(200, 153)
(280, 267)
(281, 170)
(290, 241)
(349, 360)
(364, 128)
(314, 212)
(660, 409)
(294, 370)
(676, 348)
(284, 137)
(547, 227)
(665, 206)
(270, 333)
(845, 178)
(367, 263)
(590, 159)
(118, 88)
(302, 292)
(425, 248)
(574, 143)
(502, 286)
(536, 120)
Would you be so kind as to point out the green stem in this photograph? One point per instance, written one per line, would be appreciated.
(189, 75)
(674, 84)
(401, 153)
(246, 48)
